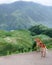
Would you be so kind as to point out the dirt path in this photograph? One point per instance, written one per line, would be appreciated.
(31, 58)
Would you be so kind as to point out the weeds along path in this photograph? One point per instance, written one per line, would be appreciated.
(31, 58)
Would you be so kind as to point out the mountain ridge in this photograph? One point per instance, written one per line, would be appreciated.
(22, 15)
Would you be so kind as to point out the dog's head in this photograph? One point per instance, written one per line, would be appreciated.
(37, 40)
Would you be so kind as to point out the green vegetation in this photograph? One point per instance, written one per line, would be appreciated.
(16, 41)
(20, 41)
(41, 29)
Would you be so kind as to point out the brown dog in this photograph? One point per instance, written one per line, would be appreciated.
(42, 46)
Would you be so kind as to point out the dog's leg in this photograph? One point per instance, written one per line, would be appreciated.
(44, 52)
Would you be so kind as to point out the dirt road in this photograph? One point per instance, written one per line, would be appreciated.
(31, 58)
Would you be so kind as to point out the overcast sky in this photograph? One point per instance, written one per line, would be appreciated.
(44, 2)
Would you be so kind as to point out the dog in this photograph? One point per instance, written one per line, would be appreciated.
(42, 46)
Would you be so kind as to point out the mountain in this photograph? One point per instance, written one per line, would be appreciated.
(22, 15)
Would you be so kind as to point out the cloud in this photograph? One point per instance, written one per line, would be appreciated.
(44, 2)
(7, 1)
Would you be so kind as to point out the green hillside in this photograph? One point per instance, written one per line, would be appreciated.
(22, 15)
(17, 41)
(20, 41)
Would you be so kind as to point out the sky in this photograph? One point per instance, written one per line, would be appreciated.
(44, 2)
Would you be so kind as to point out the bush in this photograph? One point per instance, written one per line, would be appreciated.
(18, 41)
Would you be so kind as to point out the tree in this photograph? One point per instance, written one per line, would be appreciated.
(38, 29)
